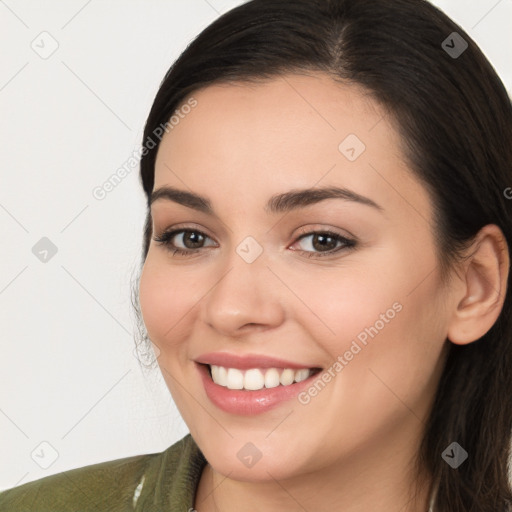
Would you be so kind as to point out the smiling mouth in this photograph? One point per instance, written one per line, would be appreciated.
(254, 379)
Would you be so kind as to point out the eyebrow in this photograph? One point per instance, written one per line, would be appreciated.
(278, 203)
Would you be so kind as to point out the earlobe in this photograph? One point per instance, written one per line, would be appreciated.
(485, 285)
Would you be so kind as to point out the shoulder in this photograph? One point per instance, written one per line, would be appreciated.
(109, 486)
(93, 487)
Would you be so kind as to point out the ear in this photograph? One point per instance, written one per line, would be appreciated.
(479, 300)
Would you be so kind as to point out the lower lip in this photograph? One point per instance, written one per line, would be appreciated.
(245, 402)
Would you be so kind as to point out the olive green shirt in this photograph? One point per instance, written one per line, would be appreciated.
(155, 482)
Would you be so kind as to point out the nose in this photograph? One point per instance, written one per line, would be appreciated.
(246, 296)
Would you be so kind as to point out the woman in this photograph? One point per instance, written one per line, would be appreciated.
(326, 270)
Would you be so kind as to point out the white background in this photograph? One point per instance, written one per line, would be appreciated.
(68, 373)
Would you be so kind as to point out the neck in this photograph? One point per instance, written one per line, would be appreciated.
(377, 483)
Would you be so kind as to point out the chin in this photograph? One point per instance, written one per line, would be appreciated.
(258, 462)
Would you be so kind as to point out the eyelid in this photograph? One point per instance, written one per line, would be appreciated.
(321, 228)
(348, 243)
(303, 230)
(185, 226)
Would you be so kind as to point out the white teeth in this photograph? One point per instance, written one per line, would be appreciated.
(271, 378)
(287, 377)
(301, 375)
(254, 379)
(215, 373)
(222, 376)
(219, 375)
(235, 379)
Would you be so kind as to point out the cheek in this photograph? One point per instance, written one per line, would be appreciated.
(392, 341)
(163, 302)
(389, 351)
(374, 319)
(339, 309)
(371, 331)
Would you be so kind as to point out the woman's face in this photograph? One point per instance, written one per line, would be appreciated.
(372, 315)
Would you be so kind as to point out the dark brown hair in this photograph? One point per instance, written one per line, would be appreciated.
(455, 121)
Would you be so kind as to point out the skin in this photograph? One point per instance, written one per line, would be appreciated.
(351, 447)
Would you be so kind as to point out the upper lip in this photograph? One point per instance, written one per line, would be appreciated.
(247, 361)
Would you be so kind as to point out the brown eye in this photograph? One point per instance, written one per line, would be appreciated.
(325, 243)
(192, 241)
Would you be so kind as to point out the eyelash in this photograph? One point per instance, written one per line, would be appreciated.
(166, 237)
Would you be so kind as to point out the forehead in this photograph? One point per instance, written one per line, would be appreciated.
(277, 113)
(293, 131)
